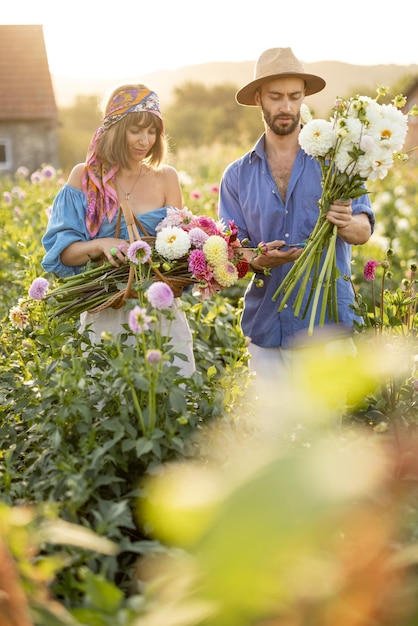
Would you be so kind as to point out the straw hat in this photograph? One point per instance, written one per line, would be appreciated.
(278, 63)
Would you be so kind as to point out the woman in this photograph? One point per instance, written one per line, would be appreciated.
(125, 163)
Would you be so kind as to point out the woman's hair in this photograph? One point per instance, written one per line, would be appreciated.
(113, 146)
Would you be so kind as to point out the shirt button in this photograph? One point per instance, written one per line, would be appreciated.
(286, 234)
(285, 306)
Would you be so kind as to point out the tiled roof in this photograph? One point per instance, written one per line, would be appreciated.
(26, 91)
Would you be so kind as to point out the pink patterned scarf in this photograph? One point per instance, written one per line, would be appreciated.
(98, 181)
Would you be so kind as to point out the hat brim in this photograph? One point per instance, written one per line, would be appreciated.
(246, 95)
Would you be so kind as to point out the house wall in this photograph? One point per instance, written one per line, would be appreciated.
(33, 144)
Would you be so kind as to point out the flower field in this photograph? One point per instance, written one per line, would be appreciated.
(130, 495)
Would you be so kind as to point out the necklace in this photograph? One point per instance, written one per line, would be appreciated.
(127, 194)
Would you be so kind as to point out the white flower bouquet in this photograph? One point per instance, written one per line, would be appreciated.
(359, 143)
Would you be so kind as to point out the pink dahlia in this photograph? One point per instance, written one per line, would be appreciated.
(369, 269)
(160, 295)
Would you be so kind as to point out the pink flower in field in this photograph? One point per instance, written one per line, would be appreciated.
(22, 171)
(369, 269)
(36, 178)
(196, 195)
(38, 288)
(197, 263)
(138, 320)
(214, 188)
(160, 295)
(139, 252)
(154, 356)
(49, 172)
(7, 197)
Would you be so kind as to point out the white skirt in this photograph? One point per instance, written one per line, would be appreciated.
(111, 320)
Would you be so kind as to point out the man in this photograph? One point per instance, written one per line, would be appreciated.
(272, 195)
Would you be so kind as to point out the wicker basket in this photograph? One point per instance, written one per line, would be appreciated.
(177, 283)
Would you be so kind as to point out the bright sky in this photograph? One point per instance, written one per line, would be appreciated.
(136, 37)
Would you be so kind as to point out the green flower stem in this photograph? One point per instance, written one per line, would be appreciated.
(313, 283)
(305, 262)
(325, 273)
(328, 296)
(382, 293)
(92, 271)
(137, 405)
(334, 300)
(314, 258)
(293, 276)
(76, 307)
(134, 395)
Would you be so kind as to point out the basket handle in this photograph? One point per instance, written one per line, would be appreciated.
(132, 223)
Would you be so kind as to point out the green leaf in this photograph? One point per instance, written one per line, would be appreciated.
(177, 400)
(395, 321)
(211, 371)
(102, 594)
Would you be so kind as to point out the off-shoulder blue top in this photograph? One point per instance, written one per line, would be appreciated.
(67, 224)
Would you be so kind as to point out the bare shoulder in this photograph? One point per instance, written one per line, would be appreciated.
(76, 175)
(168, 172)
(166, 176)
(170, 187)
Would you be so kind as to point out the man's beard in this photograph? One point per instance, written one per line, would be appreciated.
(280, 130)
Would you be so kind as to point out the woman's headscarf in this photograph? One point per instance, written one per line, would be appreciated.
(98, 180)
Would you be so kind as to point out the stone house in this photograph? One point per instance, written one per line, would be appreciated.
(28, 111)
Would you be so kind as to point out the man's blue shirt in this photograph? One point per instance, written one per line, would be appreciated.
(249, 196)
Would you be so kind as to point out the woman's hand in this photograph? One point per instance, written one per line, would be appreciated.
(115, 251)
(81, 252)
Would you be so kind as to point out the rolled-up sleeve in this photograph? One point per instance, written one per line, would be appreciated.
(362, 205)
(67, 224)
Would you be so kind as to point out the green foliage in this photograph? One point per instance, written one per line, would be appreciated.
(77, 425)
(391, 317)
(72, 437)
(203, 115)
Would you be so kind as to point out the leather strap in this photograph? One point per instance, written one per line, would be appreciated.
(132, 223)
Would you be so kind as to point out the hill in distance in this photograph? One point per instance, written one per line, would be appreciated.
(342, 81)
